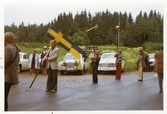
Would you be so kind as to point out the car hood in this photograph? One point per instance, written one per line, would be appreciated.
(108, 60)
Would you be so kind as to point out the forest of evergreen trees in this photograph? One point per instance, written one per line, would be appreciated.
(133, 32)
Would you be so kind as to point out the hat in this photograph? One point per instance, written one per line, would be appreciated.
(45, 47)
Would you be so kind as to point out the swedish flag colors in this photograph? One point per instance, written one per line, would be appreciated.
(67, 44)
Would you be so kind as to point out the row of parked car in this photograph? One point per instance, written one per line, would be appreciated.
(70, 63)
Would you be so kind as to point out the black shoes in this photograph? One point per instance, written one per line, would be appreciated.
(140, 80)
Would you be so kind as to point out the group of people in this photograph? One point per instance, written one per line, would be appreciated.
(142, 65)
(94, 63)
(49, 61)
(158, 67)
(34, 61)
(48, 64)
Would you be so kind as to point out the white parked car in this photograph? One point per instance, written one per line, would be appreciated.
(70, 64)
(151, 61)
(108, 63)
(23, 64)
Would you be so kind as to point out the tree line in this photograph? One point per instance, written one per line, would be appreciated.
(133, 32)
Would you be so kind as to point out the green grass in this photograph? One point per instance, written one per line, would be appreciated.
(130, 54)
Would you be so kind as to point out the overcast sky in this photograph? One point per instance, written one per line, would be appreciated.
(38, 13)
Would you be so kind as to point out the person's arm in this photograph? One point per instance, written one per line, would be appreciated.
(116, 55)
(55, 55)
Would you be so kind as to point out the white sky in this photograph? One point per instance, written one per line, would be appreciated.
(44, 12)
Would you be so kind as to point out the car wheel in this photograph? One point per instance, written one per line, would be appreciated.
(19, 68)
(62, 72)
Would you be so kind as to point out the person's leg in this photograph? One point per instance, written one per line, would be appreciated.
(7, 89)
(160, 79)
(49, 79)
(119, 71)
(43, 70)
(140, 72)
(33, 71)
(95, 75)
(91, 68)
(54, 80)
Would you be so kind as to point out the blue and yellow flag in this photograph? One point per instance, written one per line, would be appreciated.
(67, 44)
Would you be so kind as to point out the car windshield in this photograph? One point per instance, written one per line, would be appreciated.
(70, 57)
(107, 56)
(151, 56)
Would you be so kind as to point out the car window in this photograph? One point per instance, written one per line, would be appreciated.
(70, 57)
(20, 55)
(151, 56)
(107, 56)
(24, 56)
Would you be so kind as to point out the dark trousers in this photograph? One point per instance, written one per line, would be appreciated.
(7, 89)
(160, 79)
(94, 75)
(118, 71)
(52, 80)
(91, 67)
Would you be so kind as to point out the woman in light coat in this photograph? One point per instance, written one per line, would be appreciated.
(33, 62)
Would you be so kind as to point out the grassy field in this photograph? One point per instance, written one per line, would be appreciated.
(130, 54)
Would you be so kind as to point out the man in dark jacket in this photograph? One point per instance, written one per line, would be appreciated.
(95, 64)
(11, 64)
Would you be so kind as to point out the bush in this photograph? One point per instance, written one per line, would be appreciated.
(151, 47)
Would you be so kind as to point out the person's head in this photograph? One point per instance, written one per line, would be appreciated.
(52, 43)
(119, 51)
(34, 52)
(140, 52)
(45, 48)
(8, 38)
(15, 40)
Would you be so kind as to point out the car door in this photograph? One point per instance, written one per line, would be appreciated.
(123, 64)
(24, 62)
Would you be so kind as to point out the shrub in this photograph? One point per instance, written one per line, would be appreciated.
(151, 46)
